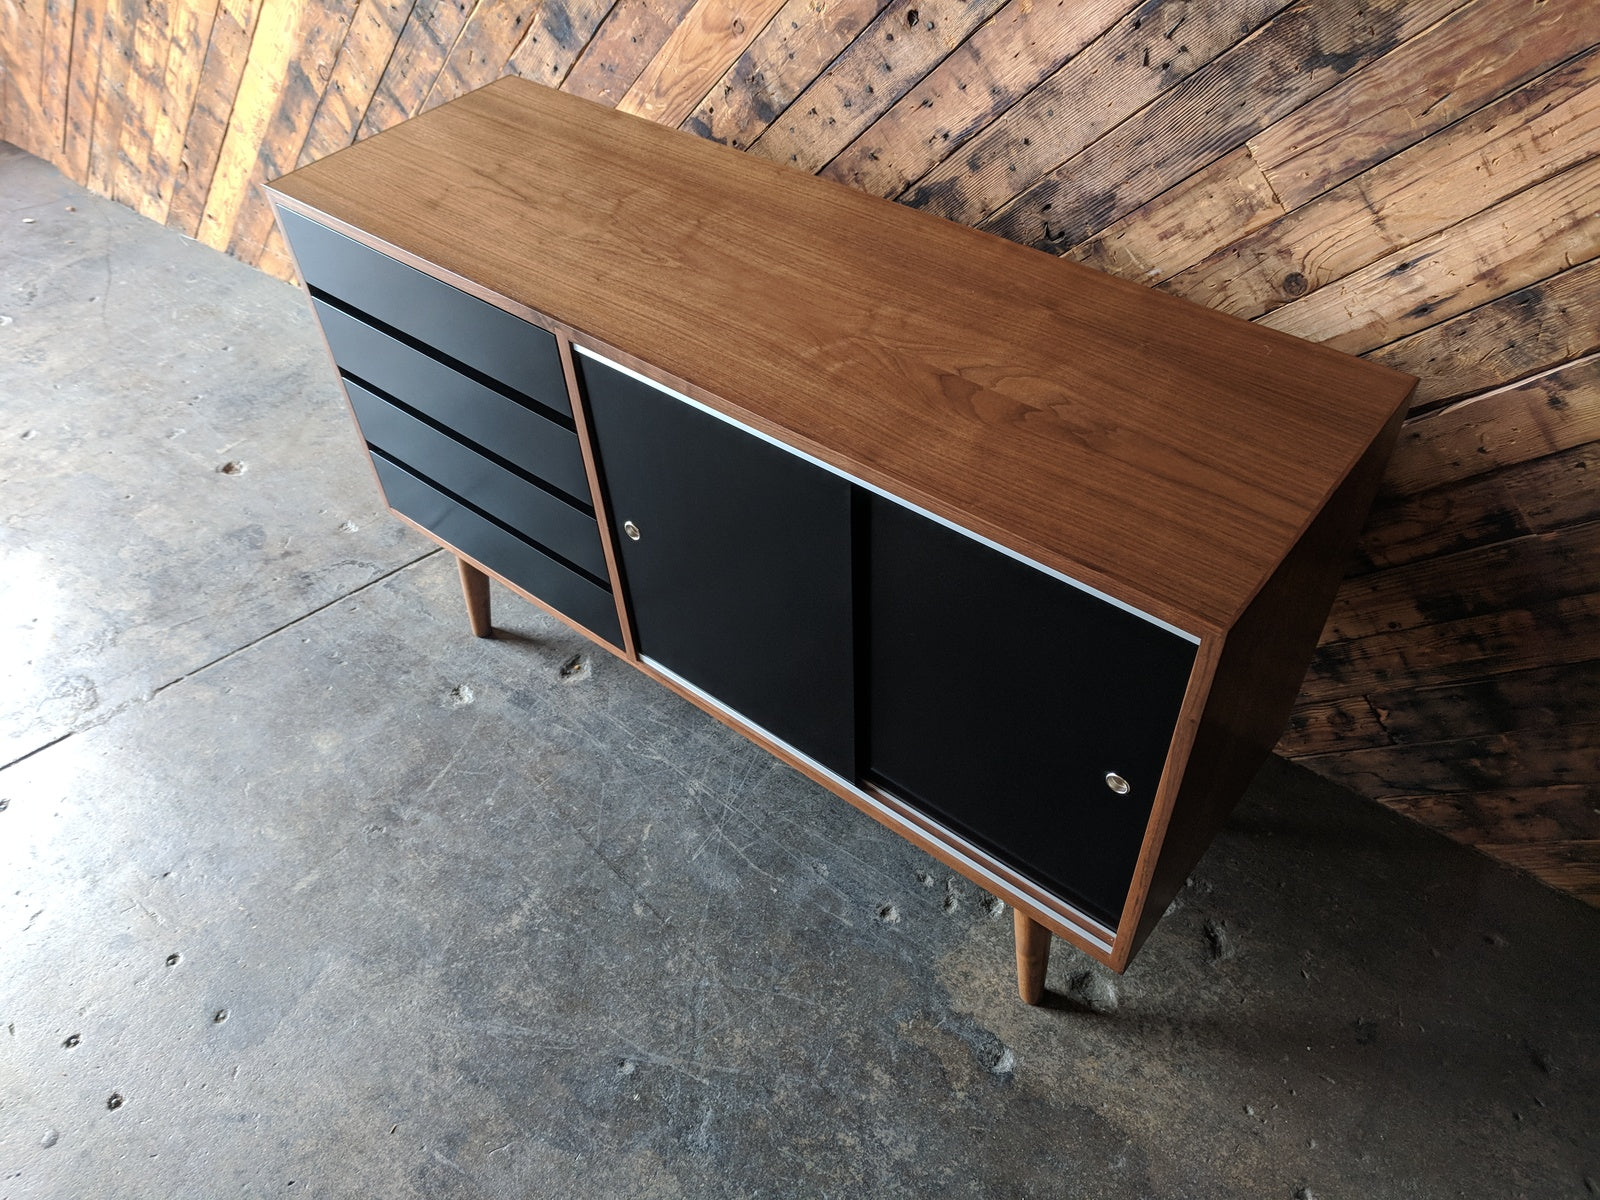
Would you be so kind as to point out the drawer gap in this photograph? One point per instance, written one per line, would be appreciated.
(544, 410)
(553, 555)
(520, 472)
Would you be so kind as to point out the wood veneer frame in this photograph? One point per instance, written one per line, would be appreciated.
(1031, 902)
(1224, 729)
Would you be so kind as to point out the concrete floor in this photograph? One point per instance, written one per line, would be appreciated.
(304, 890)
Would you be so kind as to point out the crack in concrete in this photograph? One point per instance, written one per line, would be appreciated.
(38, 750)
(305, 616)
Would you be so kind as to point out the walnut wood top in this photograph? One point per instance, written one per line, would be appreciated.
(1163, 453)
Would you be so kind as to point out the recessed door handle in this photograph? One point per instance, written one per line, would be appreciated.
(632, 530)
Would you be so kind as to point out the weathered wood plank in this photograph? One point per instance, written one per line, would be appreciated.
(1528, 758)
(1542, 635)
(368, 45)
(5, 79)
(186, 57)
(227, 53)
(8, 17)
(1518, 816)
(710, 39)
(555, 38)
(906, 41)
(1297, 56)
(1568, 866)
(5, 72)
(430, 30)
(1520, 140)
(83, 87)
(1475, 54)
(22, 120)
(265, 76)
(1531, 330)
(1549, 413)
(1132, 63)
(311, 72)
(111, 104)
(1012, 52)
(1507, 703)
(1232, 198)
(626, 41)
(307, 75)
(1531, 497)
(1508, 246)
(480, 52)
(1442, 521)
(1210, 210)
(1570, 496)
(146, 76)
(790, 52)
(1333, 725)
(274, 258)
(55, 73)
(1517, 573)
(152, 39)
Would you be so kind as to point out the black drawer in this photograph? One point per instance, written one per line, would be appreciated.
(508, 349)
(504, 553)
(455, 467)
(480, 414)
(1001, 699)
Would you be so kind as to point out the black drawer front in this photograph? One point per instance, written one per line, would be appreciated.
(1000, 698)
(480, 414)
(533, 512)
(506, 348)
(502, 552)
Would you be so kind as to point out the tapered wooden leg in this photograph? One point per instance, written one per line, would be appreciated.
(1033, 956)
(475, 587)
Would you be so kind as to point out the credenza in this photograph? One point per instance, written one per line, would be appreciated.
(1024, 561)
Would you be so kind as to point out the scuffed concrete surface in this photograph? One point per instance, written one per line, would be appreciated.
(171, 483)
(369, 907)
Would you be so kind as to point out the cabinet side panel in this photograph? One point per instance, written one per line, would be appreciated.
(1258, 674)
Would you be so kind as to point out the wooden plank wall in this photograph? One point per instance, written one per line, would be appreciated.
(1411, 180)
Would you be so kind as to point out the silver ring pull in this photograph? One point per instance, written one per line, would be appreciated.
(1117, 783)
(632, 530)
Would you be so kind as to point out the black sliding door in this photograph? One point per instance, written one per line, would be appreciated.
(1029, 716)
(735, 560)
